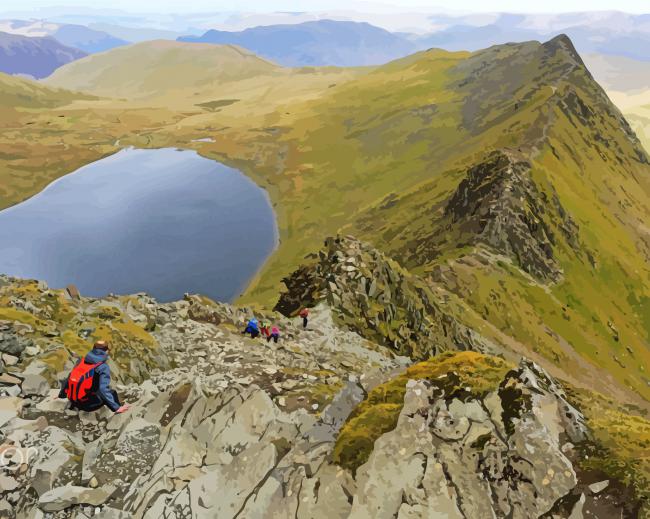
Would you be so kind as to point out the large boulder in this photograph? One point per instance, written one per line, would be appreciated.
(35, 385)
(64, 497)
(457, 457)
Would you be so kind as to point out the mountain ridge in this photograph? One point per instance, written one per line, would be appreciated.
(317, 43)
(77, 36)
(37, 57)
(498, 199)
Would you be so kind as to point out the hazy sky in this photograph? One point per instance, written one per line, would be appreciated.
(633, 6)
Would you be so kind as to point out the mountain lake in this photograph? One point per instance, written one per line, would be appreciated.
(160, 221)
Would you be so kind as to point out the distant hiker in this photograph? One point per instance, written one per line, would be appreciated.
(252, 328)
(265, 328)
(275, 335)
(88, 385)
(304, 313)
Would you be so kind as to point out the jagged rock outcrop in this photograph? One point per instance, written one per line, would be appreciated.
(374, 296)
(474, 457)
(499, 205)
(233, 427)
(229, 412)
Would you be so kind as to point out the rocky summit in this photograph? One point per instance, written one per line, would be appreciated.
(348, 417)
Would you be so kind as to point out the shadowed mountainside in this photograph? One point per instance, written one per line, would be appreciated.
(317, 43)
(36, 57)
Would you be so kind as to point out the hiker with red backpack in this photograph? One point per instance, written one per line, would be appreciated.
(304, 314)
(265, 329)
(88, 385)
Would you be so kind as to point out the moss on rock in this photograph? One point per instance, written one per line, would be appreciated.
(461, 375)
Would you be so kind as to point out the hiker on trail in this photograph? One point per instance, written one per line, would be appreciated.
(275, 334)
(88, 385)
(304, 313)
(252, 328)
(265, 328)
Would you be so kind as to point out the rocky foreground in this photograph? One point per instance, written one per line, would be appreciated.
(325, 423)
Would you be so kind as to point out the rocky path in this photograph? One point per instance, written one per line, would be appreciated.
(224, 426)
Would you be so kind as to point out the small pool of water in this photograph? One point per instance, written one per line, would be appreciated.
(162, 221)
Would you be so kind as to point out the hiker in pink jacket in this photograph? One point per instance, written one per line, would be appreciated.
(275, 334)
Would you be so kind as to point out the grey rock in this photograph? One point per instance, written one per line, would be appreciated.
(9, 380)
(10, 408)
(576, 512)
(9, 360)
(11, 390)
(34, 384)
(58, 459)
(10, 342)
(63, 497)
(597, 488)
(7, 484)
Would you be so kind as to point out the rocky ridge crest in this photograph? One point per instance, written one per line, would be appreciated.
(230, 427)
(375, 297)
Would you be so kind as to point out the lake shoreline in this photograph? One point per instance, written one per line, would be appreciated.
(219, 202)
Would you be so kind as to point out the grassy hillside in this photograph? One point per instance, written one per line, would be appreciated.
(223, 92)
(16, 92)
(504, 176)
(581, 158)
(184, 74)
(147, 69)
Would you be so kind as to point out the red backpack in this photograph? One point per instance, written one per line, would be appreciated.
(81, 381)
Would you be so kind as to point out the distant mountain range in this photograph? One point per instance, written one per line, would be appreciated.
(37, 57)
(78, 36)
(323, 42)
(352, 43)
(606, 33)
(345, 43)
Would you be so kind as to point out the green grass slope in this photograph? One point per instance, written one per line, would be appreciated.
(16, 92)
(592, 177)
(383, 155)
(160, 67)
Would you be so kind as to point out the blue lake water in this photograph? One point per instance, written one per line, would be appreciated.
(163, 222)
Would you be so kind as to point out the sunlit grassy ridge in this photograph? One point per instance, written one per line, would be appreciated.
(587, 159)
(140, 70)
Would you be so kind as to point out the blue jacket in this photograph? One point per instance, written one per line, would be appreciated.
(252, 325)
(103, 374)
